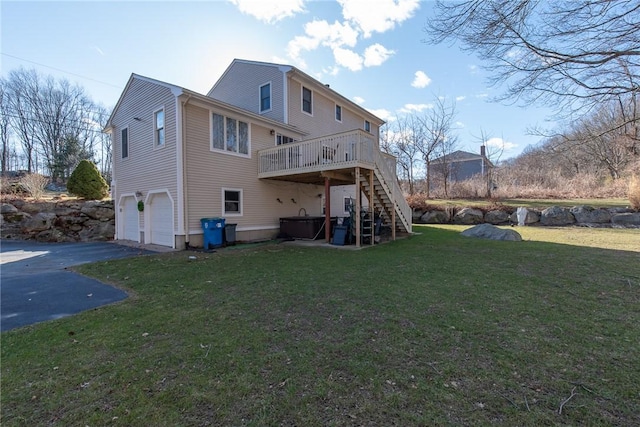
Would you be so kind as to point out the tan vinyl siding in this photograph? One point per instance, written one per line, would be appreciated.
(240, 87)
(147, 168)
(323, 120)
(208, 172)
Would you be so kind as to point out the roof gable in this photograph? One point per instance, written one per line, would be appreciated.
(302, 76)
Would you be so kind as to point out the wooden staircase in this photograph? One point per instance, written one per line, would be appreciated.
(384, 203)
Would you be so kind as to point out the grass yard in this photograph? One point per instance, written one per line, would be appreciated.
(436, 329)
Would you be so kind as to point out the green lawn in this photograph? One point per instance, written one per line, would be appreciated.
(436, 329)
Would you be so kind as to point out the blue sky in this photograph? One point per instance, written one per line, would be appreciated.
(371, 51)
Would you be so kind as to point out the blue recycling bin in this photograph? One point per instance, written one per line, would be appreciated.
(213, 230)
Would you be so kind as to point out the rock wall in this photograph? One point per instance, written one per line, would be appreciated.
(585, 216)
(61, 221)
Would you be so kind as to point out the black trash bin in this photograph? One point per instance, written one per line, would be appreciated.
(230, 234)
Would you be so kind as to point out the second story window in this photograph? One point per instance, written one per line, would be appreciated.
(158, 120)
(229, 134)
(265, 97)
(307, 100)
(124, 142)
(338, 113)
(367, 125)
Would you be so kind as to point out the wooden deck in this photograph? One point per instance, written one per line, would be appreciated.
(346, 158)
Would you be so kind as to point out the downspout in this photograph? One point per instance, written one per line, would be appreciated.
(183, 164)
(285, 93)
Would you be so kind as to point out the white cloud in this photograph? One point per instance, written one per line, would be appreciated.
(269, 11)
(348, 59)
(300, 43)
(382, 113)
(331, 70)
(460, 98)
(332, 35)
(421, 80)
(358, 100)
(460, 124)
(376, 54)
(322, 33)
(482, 95)
(417, 108)
(501, 143)
(473, 69)
(378, 16)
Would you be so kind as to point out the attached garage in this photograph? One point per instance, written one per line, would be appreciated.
(129, 219)
(160, 208)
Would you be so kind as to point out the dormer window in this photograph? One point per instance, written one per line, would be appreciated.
(367, 126)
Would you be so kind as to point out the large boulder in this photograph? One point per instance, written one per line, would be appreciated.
(8, 208)
(53, 235)
(488, 231)
(97, 230)
(497, 217)
(590, 215)
(628, 219)
(435, 217)
(101, 211)
(531, 218)
(468, 216)
(38, 222)
(556, 215)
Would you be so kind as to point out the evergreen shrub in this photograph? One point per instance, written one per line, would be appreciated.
(86, 182)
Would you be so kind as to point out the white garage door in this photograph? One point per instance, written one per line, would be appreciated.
(129, 217)
(161, 216)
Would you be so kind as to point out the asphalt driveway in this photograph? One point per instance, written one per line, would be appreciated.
(35, 285)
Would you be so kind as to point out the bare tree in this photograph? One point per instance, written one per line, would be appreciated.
(403, 136)
(5, 141)
(436, 126)
(491, 154)
(22, 86)
(570, 54)
(444, 162)
(53, 119)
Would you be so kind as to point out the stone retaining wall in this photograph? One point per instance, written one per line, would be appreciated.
(62, 221)
(74, 220)
(586, 216)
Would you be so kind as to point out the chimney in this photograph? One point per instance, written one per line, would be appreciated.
(482, 151)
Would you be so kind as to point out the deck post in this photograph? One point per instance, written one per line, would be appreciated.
(358, 206)
(372, 207)
(327, 210)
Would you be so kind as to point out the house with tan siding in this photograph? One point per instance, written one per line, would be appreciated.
(267, 142)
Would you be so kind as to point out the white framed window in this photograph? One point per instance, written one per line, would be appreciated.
(231, 202)
(307, 100)
(124, 143)
(348, 202)
(158, 123)
(265, 97)
(283, 139)
(229, 135)
(338, 113)
(367, 126)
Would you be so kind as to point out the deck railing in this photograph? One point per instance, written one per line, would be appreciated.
(330, 152)
(337, 151)
(383, 163)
